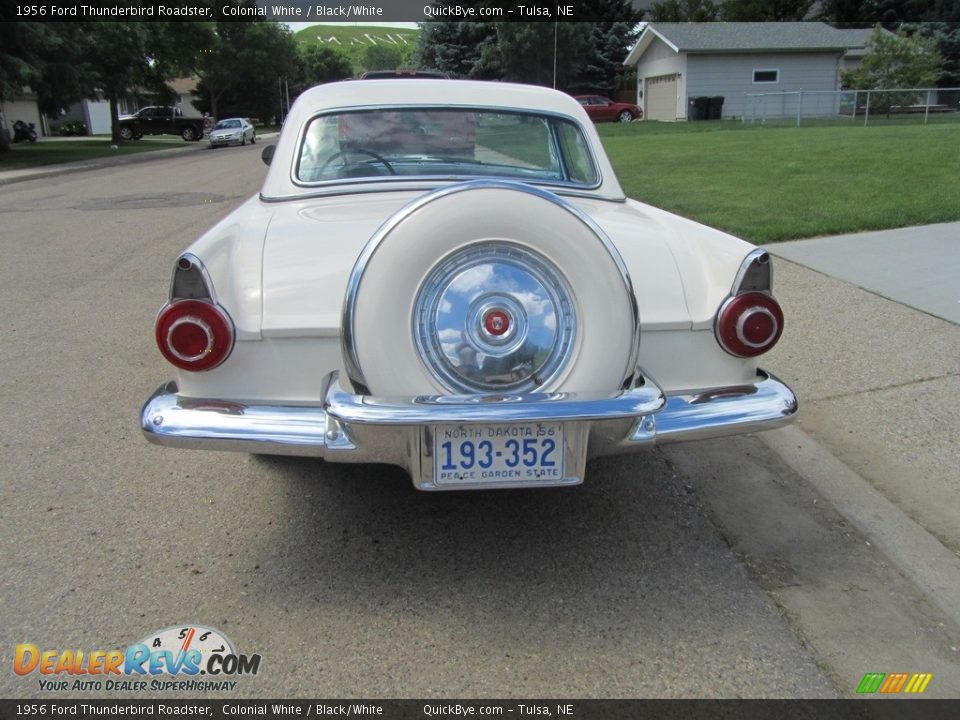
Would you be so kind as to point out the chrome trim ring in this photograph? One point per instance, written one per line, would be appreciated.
(350, 358)
(742, 321)
(508, 280)
(191, 320)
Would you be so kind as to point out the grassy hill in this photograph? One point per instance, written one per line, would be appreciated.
(353, 40)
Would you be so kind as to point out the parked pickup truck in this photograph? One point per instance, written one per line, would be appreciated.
(160, 120)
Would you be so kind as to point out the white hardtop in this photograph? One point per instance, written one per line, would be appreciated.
(355, 94)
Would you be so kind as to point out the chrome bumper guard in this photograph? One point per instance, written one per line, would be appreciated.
(358, 428)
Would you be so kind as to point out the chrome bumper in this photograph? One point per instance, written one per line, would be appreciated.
(358, 428)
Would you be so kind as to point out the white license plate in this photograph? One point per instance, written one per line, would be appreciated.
(485, 454)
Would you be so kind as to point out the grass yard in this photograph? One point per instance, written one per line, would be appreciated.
(52, 151)
(767, 184)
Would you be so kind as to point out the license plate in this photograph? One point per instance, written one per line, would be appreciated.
(485, 454)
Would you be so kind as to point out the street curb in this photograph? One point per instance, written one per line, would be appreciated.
(82, 166)
(914, 551)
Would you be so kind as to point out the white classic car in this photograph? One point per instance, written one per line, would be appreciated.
(445, 275)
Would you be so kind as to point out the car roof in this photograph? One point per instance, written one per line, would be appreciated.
(401, 73)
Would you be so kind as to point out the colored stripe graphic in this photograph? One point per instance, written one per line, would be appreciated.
(870, 683)
(918, 683)
(893, 683)
(913, 683)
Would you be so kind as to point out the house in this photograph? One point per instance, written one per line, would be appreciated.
(184, 94)
(95, 114)
(677, 62)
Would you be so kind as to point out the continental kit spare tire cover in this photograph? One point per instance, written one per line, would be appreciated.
(489, 287)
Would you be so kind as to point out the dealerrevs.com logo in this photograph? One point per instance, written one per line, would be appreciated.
(185, 657)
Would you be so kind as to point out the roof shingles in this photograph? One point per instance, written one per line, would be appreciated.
(758, 36)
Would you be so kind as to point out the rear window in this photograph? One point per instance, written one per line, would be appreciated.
(444, 142)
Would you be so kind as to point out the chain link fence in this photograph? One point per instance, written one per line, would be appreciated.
(867, 107)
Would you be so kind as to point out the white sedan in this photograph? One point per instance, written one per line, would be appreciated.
(446, 275)
(232, 131)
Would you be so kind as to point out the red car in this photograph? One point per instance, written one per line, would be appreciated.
(602, 109)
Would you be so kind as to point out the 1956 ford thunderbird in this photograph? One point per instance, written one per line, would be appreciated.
(445, 275)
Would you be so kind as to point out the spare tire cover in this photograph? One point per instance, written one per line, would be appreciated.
(489, 287)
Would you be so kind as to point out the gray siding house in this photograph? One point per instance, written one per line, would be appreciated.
(679, 61)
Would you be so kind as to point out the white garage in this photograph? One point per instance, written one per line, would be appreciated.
(677, 62)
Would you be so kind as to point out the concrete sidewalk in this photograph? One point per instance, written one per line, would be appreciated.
(879, 379)
(916, 266)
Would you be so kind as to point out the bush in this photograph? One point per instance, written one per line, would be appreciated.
(74, 127)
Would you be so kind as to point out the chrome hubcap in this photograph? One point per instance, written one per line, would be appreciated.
(495, 317)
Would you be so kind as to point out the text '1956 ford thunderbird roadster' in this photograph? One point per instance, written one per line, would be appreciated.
(446, 275)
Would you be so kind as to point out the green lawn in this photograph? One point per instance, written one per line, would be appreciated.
(767, 184)
(51, 151)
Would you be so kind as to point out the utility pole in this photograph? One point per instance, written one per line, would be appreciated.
(556, 24)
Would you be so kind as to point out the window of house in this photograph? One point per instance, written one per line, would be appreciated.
(766, 76)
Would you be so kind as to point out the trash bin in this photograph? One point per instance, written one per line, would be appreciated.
(697, 108)
(715, 111)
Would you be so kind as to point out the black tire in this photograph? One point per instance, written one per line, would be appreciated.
(253, 139)
(189, 134)
(32, 137)
(127, 133)
(625, 116)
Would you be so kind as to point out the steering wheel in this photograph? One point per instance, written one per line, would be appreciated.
(357, 151)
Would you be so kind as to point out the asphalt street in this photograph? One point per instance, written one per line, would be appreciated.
(712, 570)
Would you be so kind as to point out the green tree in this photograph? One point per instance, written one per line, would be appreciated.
(215, 65)
(245, 72)
(49, 59)
(320, 64)
(895, 61)
(541, 53)
(462, 49)
(684, 11)
(381, 57)
(765, 10)
(132, 56)
(611, 35)
(65, 62)
(947, 38)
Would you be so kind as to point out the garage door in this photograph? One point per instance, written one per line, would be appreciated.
(661, 98)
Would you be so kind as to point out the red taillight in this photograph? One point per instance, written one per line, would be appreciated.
(194, 335)
(749, 324)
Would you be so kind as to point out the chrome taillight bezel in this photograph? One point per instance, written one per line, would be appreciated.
(751, 294)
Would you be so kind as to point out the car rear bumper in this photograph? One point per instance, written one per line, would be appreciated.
(356, 428)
